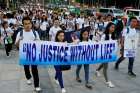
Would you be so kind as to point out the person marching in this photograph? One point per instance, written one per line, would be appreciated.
(29, 34)
(99, 28)
(84, 37)
(58, 76)
(6, 37)
(54, 29)
(107, 35)
(129, 33)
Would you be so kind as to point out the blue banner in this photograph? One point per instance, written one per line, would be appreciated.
(54, 53)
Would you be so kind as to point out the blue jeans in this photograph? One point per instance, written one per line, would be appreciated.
(86, 69)
(58, 76)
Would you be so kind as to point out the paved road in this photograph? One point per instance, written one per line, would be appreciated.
(12, 78)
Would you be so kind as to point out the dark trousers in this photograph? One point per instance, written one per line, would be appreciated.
(130, 65)
(44, 35)
(105, 67)
(8, 48)
(86, 69)
(58, 76)
(131, 61)
(34, 71)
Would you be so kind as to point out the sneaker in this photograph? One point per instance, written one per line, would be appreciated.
(63, 90)
(8, 56)
(88, 86)
(29, 82)
(97, 73)
(131, 74)
(38, 89)
(110, 84)
(56, 81)
(78, 80)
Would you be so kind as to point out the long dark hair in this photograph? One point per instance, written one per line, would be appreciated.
(56, 37)
(87, 29)
(113, 36)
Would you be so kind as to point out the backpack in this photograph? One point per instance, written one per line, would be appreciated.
(21, 35)
(101, 28)
(83, 25)
(7, 39)
(127, 30)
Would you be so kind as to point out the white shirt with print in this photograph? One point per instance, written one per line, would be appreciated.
(44, 25)
(80, 22)
(131, 38)
(53, 31)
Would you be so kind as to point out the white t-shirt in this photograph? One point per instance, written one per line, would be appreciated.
(103, 37)
(44, 26)
(132, 32)
(86, 24)
(37, 22)
(80, 21)
(105, 24)
(99, 24)
(53, 31)
(19, 17)
(70, 25)
(8, 30)
(50, 11)
(92, 25)
(64, 21)
(12, 21)
(131, 38)
(27, 36)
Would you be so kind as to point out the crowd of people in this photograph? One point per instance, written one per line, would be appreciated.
(56, 26)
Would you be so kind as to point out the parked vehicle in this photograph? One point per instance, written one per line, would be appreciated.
(132, 12)
(113, 11)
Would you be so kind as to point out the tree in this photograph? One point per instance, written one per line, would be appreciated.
(117, 3)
